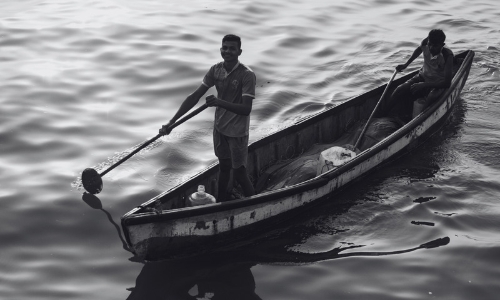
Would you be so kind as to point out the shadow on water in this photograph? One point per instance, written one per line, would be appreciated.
(94, 202)
(203, 278)
(228, 275)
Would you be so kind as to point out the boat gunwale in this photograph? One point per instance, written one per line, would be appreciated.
(135, 219)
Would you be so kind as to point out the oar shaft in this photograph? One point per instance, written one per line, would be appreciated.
(179, 122)
(188, 116)
(375, 109)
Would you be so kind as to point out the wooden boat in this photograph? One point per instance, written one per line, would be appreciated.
(164, 227)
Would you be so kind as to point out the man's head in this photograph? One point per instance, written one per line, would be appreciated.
(435, 41)
(231, 48)
(232, 38)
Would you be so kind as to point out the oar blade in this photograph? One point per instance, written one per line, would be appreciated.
(436, 243)
(92, 181)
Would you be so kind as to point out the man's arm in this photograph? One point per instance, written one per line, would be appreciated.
(448, 71)
(186, 106)
(248, 94)
(240, 109)
(416, 53)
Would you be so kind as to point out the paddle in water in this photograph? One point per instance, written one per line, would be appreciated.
(92, 180)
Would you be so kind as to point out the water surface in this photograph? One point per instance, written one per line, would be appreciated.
(84, 81)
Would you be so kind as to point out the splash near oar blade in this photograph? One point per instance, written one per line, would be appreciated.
(92, 181)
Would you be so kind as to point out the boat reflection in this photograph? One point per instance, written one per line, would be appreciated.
(195, 279)
(228, 275)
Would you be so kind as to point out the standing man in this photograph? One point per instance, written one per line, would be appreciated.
(235, 84)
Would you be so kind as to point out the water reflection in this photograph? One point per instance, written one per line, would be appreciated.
(95, 203)
(203, 278)
(228, 275)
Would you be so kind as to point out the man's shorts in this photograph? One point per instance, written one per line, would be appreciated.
(234, 148)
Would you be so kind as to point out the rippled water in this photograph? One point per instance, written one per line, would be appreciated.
(83, 81)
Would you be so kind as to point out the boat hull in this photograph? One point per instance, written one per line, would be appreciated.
(186, 231)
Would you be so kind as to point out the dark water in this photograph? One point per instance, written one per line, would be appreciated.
(83, 81)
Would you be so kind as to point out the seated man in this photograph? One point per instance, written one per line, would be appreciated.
(432, 79)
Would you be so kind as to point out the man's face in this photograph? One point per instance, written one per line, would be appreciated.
(435, 49)
(230, 51)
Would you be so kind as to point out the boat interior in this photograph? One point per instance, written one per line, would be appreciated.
(390, 116)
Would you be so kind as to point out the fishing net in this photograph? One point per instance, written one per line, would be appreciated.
(305, 167)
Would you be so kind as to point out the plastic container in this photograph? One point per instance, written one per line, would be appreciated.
(200, 197)
(418, 106)
(332, 158)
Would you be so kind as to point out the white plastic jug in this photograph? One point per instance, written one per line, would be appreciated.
(418, 106)
(200, 197)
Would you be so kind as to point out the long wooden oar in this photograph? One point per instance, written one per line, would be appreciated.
(374, 110)
(339, 155)
(92, 181)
